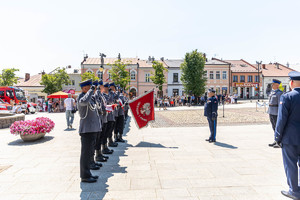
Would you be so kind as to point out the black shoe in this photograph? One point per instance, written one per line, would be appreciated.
(112, 144)
(105, 157)
(273, 144)
(210, 141)
(95, 177)
(276, 146)
(121, 140)
(287, 194)
(207, 140)
(101, 158)
(89, 180)
(98, 164)
(71, 127)
(107, 151)
(94, 167)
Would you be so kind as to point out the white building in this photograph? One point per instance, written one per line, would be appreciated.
(75, 78)
(175, 86)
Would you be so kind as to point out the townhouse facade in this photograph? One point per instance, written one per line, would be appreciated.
(175, 86)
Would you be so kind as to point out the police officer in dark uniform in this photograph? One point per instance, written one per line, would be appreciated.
(119, 127)
(126, 107)
(287, 134)
(108, 95)
(211, 112)
(88, 129)
(116, 98)
(274, 100)
(101, 105)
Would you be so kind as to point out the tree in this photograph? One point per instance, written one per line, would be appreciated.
(54, 82)
(158, 77)
(193, 74)
(119, 74)
(88, 75)
(8, 77)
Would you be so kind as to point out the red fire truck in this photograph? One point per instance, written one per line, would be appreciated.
(13, 94)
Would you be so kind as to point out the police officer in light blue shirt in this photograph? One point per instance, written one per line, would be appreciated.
(211, 112)
(274, 100)
(287, 134)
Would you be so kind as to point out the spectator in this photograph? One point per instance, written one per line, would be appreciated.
(69, 104)
(49, 105)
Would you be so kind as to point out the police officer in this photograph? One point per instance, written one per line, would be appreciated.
(108, 95)
(274, 100)
(119, 127)
(116, 98)
(101, 105)
(126, 107)
(288, 136)
(88, 129)
(211, 112)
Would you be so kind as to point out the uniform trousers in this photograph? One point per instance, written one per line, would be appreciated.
(212, 127)
(291, 155)
(109, 129)
(87, 150)
(119, 127)
(101, 137)
(273, 119)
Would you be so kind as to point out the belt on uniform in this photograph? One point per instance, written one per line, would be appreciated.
(273, 105)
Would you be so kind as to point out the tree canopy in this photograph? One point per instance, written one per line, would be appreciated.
(88, 75)
(54, 82)
(158, 77)
(119, 74)
(193, 74)
(8, 77)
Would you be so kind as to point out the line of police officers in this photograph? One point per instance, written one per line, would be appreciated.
(103, 109)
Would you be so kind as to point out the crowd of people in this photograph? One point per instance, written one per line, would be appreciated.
(189, 100)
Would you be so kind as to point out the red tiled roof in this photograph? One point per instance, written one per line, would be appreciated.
(272, 70)
(34, 81)
(107, 61)
(241, 66)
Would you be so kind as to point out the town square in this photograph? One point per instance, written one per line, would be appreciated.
(149, 100)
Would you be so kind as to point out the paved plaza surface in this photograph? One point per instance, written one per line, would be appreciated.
(155, 163)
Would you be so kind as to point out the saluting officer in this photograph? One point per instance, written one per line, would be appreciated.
(115, 94)
(126, 107)
(119, 127)
(287, 134)
(110, 118)
(274, 100)
(89, 127)
(211, 112)
(101, 139)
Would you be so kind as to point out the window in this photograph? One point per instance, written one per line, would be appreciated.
(211, 75)
(205, 73)
(132, 75)
(100, 75)
(175, 92)
(256, 78)
(224, 75)
(218, 76)
(147, 77)
(175, 77)
(250, 79)
(73, 82)
(1, 93)
(235, 79)
(242, 78)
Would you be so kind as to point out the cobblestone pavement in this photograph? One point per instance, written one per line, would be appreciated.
(155, 164)
(193, 117)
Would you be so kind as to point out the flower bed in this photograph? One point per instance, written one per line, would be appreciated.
(32, 127)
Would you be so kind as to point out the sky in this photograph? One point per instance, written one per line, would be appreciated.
(39, 35)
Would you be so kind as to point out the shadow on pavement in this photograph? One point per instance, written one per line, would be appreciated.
(70, 129)
(153, 145)
(110, 168)
(20, 142)
(220, 144)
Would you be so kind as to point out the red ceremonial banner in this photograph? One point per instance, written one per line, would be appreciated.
(142, 109)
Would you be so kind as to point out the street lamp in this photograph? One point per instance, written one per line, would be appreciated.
(258, 63)
(102, 56)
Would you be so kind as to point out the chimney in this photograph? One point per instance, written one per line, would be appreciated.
(27, 76)
(43, 72)
(153, 59)
(288, 64)
(149, 59)
(277, 65)
(264, 66)
(204, 55)
(162, 58)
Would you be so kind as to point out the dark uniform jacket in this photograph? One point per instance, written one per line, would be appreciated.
(211, 107)
(288, 122)
(89, 116)
(101, 106)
